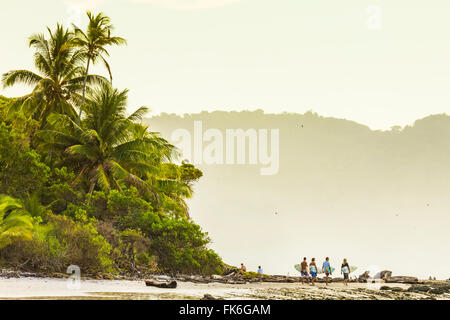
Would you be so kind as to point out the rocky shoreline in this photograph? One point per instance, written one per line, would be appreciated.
(273, 287)
(237, 277)
(233, 277)
(430, 290)
(27, 285)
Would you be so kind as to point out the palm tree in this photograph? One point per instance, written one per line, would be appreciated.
(16, 223)
(58, 86)
(92, 43)
(107, 146)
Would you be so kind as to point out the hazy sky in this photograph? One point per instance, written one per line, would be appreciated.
(276, 55)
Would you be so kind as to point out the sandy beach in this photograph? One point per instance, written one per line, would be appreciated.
(49, 288)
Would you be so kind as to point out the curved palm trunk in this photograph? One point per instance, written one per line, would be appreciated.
(84, 88)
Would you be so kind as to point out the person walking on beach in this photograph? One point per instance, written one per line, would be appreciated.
(304, 271)
(326, 268)
(260, 270)
(345, 270)
(313, 270)
(243, 268)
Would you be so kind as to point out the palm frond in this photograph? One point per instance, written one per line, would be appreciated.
(20, 76)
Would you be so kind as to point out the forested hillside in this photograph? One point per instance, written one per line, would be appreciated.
(342, 190)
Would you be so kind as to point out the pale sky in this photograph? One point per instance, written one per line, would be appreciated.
(185, 56)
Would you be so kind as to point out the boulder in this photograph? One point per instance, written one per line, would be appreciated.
(394, 289)
(419, 288)
(363, 277)
(385, 274)
(382, 275)
(438, 290)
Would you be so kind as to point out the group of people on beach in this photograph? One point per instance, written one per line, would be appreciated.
(244, 269)
(326, 268)
(310, 271)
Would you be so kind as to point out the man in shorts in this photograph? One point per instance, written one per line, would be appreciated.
(326, 268)
(304, 271)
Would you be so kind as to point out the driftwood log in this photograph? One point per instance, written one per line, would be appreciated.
(161, 284)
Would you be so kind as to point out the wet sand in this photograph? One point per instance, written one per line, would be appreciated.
(48, 288)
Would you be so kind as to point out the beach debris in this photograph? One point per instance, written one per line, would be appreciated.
(161, 284)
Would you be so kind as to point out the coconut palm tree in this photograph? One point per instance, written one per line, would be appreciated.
(59, 82)
(92, 43)
(16, 223)
(107, 146)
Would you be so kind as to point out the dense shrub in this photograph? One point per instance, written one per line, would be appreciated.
(57, 244)
(181, 246)
(102, 231)
(21, 169)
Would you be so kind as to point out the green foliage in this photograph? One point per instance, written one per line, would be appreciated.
(105, 149)
(182, 247)
(59, 243)
(189, 173)
(15, 222)
(85, 246)
(133, 245)
(3, 105)
(21, 170)
(59, 190)
(98, 191)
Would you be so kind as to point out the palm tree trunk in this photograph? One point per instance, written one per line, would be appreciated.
(84, 88)
(91, 191)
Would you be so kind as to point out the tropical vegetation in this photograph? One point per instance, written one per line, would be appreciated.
(82, 181)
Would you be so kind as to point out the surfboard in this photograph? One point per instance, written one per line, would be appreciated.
(320, 270)
(298, 267)
(353, 269)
